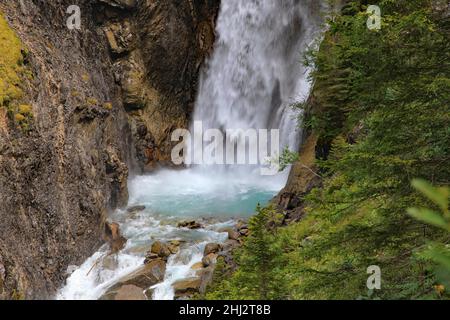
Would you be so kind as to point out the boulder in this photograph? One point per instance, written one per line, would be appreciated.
(113, 236)
(244, 232)
(190, 225)
(212, 248)
(112, 230)
(242, 225)
(233, 234)
(174, 249)
(161, 250)
(118, 244)
(109, 296)
(144, 278)
(124, 293)
(130, 292)
(230, 245)
(174, 246)
(136, 209)
(209, 260)
(150, 257)
(206, 278)
(176, 242)
(187, 287)
(197, 266)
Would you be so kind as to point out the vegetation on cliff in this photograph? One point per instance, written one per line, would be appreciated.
(12, 71)
(10, 61)
(380, 104)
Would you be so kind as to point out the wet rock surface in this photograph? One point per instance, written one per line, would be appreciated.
(114, 238)
(212, 248)
(182, 268)
(136, 209)
(158, 48)
(186, 288)
(144, 278)
(190, 225)
(204, 270)
(130, 292)
(174, 246)
(302, 179)
(209, 259)
(59, 177)
(161, 250)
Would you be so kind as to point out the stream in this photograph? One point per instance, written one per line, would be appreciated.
(170, 197)
(253, 77)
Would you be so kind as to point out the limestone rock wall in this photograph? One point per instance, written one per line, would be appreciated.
(158, 48)
(104, 100)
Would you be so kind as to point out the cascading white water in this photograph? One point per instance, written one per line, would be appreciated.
(256, 72)
(250, 82)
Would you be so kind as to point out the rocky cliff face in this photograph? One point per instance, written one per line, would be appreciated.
(303, 178)
(157, 49)
(97, 103)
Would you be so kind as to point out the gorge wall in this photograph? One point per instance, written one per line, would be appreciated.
(98, 104)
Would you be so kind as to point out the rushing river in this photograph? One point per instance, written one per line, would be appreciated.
(171, 197)
(253, 77)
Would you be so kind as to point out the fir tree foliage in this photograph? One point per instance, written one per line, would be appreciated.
(381, 103)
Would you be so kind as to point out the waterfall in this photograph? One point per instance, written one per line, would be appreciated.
(251, 80)
(256, 71)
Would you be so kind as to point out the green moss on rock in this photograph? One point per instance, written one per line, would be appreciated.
(11, 64)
